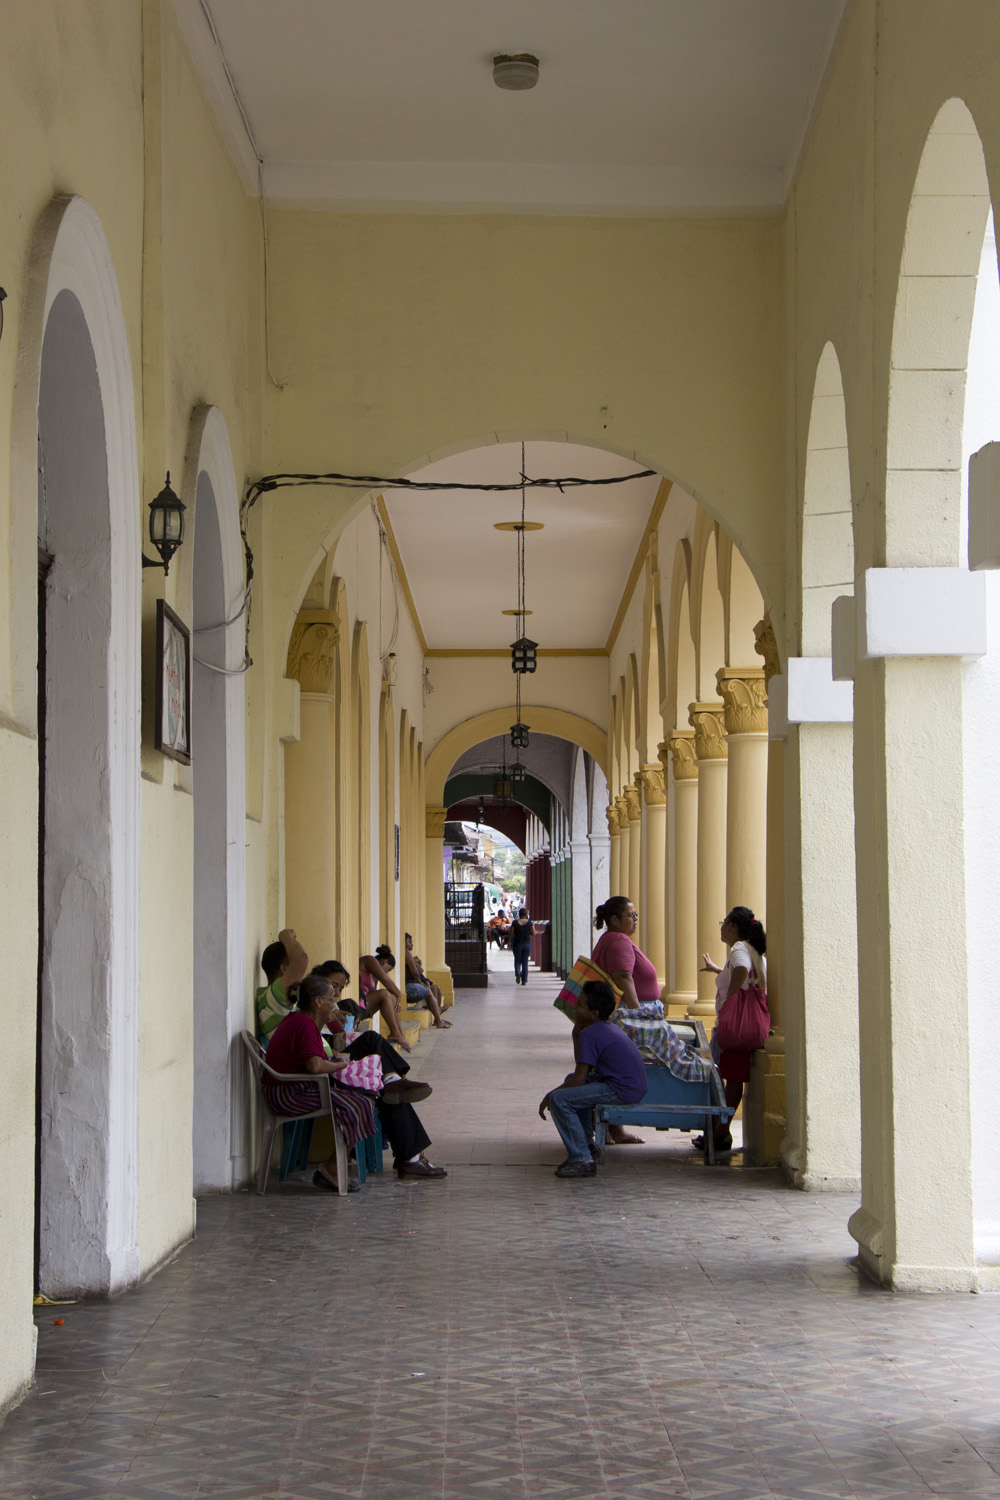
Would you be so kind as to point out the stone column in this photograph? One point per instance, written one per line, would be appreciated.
(684, 876)
(434, 886)
(633, 799)
(710, 748)
(310, 792)
(614, 849)
(654, 850)
(742, 691)
(580, 902)
(600, 865)
(624, 840)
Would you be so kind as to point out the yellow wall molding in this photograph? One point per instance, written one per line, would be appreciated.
(397, 563)
(666, 485)
(485, 726)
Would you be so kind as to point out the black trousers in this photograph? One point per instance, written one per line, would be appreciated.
(400, 1122)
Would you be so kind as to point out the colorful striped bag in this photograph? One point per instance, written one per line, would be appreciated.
(583, 970)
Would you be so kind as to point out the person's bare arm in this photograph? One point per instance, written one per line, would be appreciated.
(325, 1064)
(623, 979)
(298, 958)
(373, 967)
(737, 980)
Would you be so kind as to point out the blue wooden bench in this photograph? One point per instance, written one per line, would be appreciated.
(671, 1104)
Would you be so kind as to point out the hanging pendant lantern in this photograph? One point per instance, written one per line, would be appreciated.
(519, 736)
(503, 788)
(517, 772)
(524, 655)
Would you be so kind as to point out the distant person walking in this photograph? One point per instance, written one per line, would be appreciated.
(520, 945)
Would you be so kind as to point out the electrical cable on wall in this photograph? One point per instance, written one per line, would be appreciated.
(269, 482)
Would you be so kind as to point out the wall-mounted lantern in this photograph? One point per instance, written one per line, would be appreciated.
(166, 527)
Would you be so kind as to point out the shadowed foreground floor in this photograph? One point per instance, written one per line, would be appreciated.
(666, 1330)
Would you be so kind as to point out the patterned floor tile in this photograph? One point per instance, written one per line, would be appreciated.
(672, 1331)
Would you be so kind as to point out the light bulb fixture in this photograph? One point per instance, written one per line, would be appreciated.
(515, 70)
(166, 527)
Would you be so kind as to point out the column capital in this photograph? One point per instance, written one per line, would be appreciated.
(653, 786)
(633, 804)
(679, 746)
(766, 646)
(435, 821)
(621, 805)
(744, 693)
(706, 719)
(312, 649)
(611, 813)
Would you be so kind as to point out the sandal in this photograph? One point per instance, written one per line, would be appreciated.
(320, 1180)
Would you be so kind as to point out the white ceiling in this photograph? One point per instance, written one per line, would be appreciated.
(643, 107)
(462, 572)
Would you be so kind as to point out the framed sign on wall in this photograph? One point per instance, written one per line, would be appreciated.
(173, 685)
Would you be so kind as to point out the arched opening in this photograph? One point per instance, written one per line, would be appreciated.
(220, 1142)
(89, 772)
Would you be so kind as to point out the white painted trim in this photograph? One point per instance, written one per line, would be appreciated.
(813, 696)
(921, 612)
(71, 253)
(522, 187)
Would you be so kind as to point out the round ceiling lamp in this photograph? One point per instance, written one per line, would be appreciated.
(518, 525)
(515, 70)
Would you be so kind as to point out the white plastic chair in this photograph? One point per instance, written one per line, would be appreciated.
(258, 1061)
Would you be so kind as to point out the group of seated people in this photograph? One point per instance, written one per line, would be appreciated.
(307, 1027)
(498, 930)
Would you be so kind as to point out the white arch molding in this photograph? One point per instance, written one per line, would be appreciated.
(220, 1155)
(74, 400)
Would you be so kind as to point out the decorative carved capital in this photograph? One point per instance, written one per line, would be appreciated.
(633, 803)
(709, 731)
(744, 693)
(766, 646)
(436, 817)
(680, 747)
(612, 815)
(653, 787)
(622, 808)
(312, 650)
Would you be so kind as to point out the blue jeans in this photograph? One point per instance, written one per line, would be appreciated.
(521, 956)
(572, 1112)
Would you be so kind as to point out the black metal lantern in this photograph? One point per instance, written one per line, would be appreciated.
(519, 736)
(517, 772)
(524, 655)
(166, 527)
(502, 787)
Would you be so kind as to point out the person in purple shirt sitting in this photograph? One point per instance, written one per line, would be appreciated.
(609, 1070)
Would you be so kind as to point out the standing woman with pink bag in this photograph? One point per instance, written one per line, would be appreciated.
(745, 966)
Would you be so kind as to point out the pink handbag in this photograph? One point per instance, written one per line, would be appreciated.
(361, 1073)
(744, 1021)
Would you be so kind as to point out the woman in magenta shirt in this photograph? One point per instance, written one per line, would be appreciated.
(626, 964)
(617, 954)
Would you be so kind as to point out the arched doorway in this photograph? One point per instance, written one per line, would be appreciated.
(88, 538)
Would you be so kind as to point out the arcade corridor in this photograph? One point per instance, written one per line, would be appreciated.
(668, 1330)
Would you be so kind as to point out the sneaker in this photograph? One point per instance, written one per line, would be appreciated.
(577, 1169)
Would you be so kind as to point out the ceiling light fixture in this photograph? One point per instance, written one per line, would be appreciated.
(515, 70)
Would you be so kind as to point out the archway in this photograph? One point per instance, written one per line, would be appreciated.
(88, 534)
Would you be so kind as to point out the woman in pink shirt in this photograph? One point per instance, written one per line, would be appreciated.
(619, 956)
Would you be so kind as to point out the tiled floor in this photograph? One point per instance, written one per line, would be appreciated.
(666, 1330)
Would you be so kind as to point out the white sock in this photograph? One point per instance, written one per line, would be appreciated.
(392, 1078)
(415, 1158)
